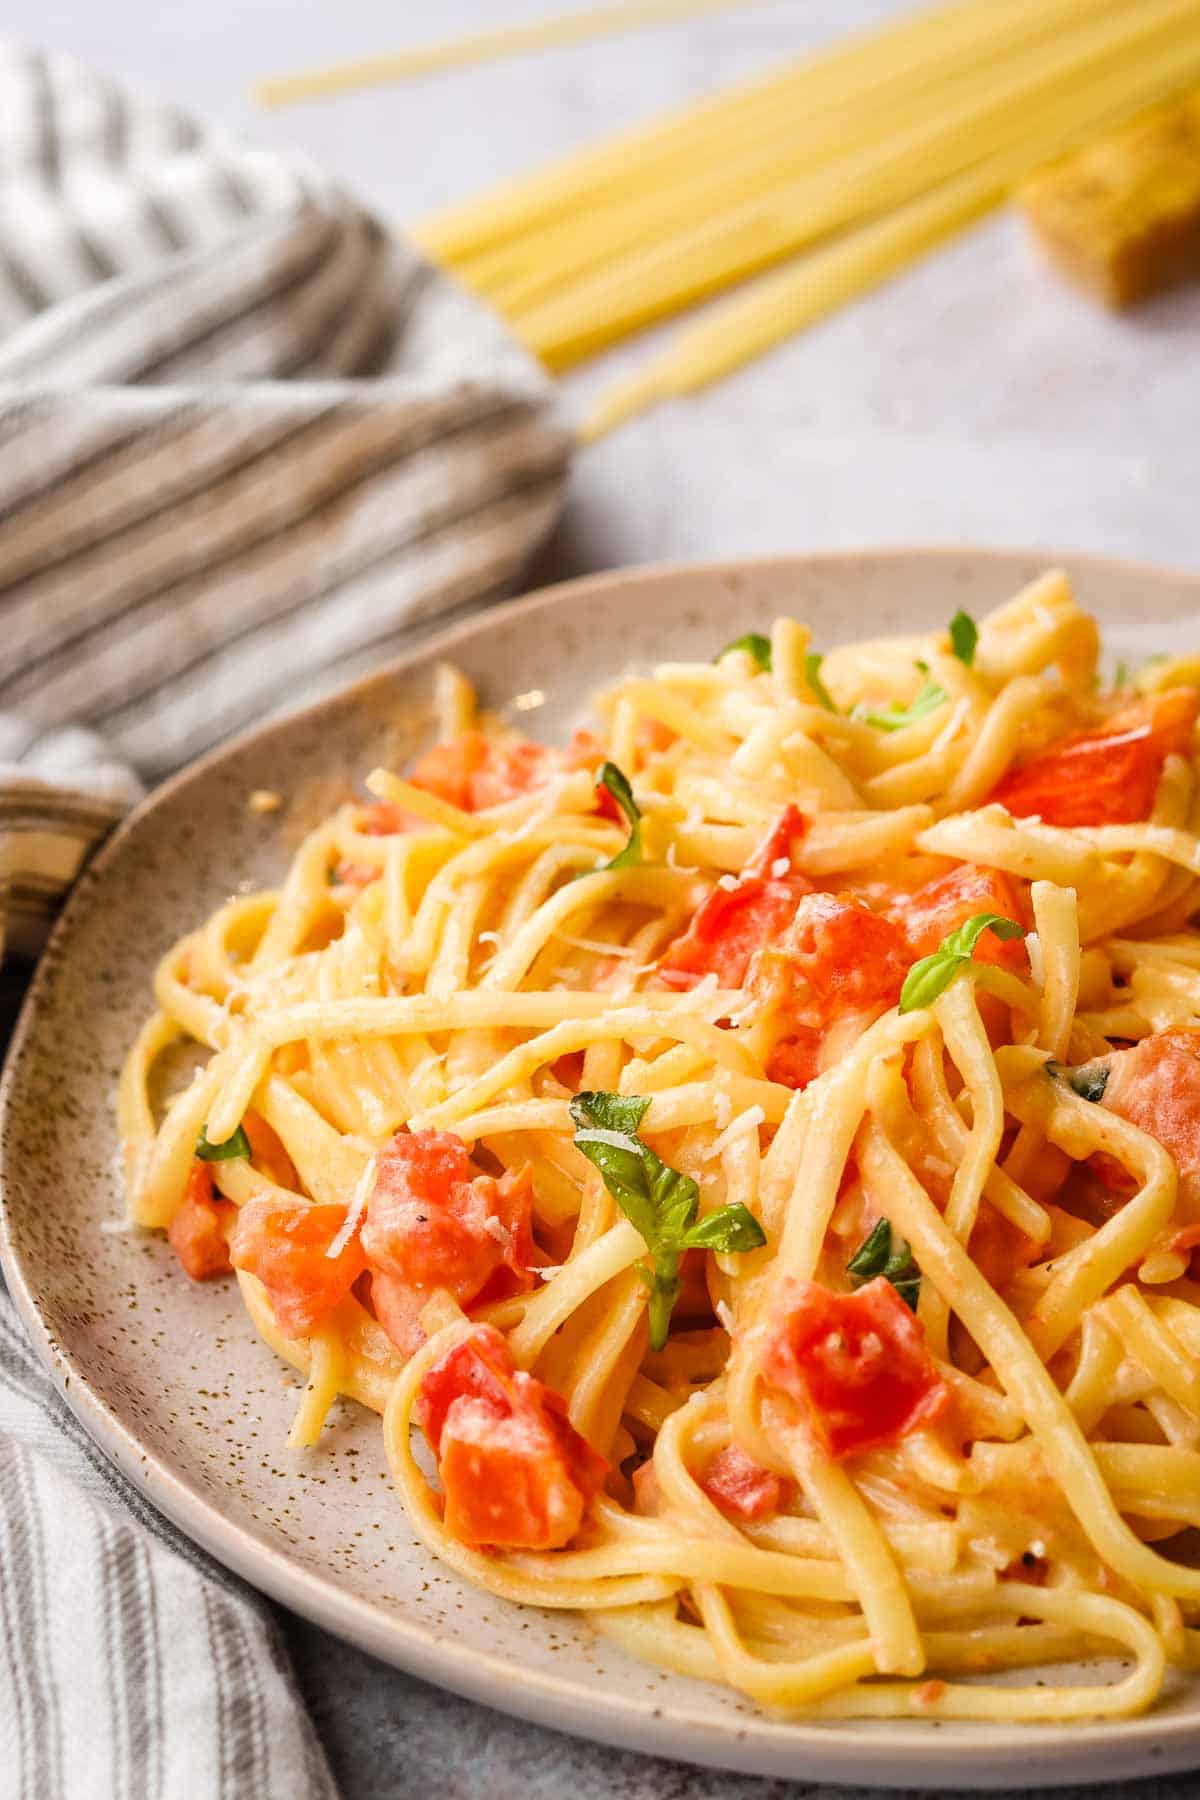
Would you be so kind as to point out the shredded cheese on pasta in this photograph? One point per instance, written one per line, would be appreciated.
(480, 970)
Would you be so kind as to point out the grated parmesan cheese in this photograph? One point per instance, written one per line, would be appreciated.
(729, 883)
(781, 866)
(724, 1316)
(950, 729)
(356, 1208)
(746, 1122)
(497, 1230)
(595, 945)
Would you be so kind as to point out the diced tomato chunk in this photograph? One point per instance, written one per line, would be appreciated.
(947, 902)
(795, 1059)
(856, 1364)
(851, 957)
(474, 771)
(435, 1221)
(383, 818)
(446, 769)
(1105, 777)
(197, 1232)
(1156, 1086)
(514, 1471)
(780, 845)
(732, 923)
(741, 1487)
(287, 1247)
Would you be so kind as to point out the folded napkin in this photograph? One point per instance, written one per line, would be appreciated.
(247, 438)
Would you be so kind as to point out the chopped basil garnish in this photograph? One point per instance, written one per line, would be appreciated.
(233, 1147)
(755, 645)
(931, 696)
(657, 1200)
(964, 636)
(812, 674)
(876, 1256)
(1089, 1080)
(610, 777)
(933, 974)
(1122, 674)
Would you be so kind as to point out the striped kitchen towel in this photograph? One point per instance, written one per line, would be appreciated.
(247, 438)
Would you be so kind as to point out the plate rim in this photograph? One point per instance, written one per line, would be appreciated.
(1050, 1754)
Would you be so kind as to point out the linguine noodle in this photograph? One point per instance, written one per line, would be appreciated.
(974, 1147)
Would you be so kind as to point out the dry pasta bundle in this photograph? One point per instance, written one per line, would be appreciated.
(822, 178)
(750, 1159)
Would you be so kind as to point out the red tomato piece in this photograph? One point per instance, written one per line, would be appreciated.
(510, 770)
(197, 1232)
(383, 818)
(514, 1471)
(474, 771)
(947, 902)
(731, 924)
(856, 1364)
(741, 1487)
(852, 958)
(1105, 777)
(795, 1060)
(435, 1221)
(446, 770)
(1156, 1086)
(287, 1248)
(780, 845)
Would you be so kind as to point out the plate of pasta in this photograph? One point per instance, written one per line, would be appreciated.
(643, 1163)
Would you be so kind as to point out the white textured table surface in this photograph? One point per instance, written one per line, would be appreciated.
(973, 399)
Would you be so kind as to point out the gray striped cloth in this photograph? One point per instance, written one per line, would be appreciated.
(247, 438)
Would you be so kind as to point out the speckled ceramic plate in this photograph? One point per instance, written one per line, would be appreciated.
(171, 1379)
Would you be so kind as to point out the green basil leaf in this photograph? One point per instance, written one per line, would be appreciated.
(878, 1255)
(934, 973)
(896, 718)
(870, 1259)
(812, 674)
(728, 1228)
(236, 1146)
(909, 1289)
(664, 1292)
(927, 979)
(618, 786)
(963, 941)
(658, 1201)
(611, 1112)
(755, 645)
(1122, 674)
(1089, 1080)
(964, 636)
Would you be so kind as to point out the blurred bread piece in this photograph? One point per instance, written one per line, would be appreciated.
(1121, 217)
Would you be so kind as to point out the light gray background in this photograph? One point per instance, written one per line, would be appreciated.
(973, 399)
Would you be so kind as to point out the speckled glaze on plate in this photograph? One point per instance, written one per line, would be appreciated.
(172, 1381)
